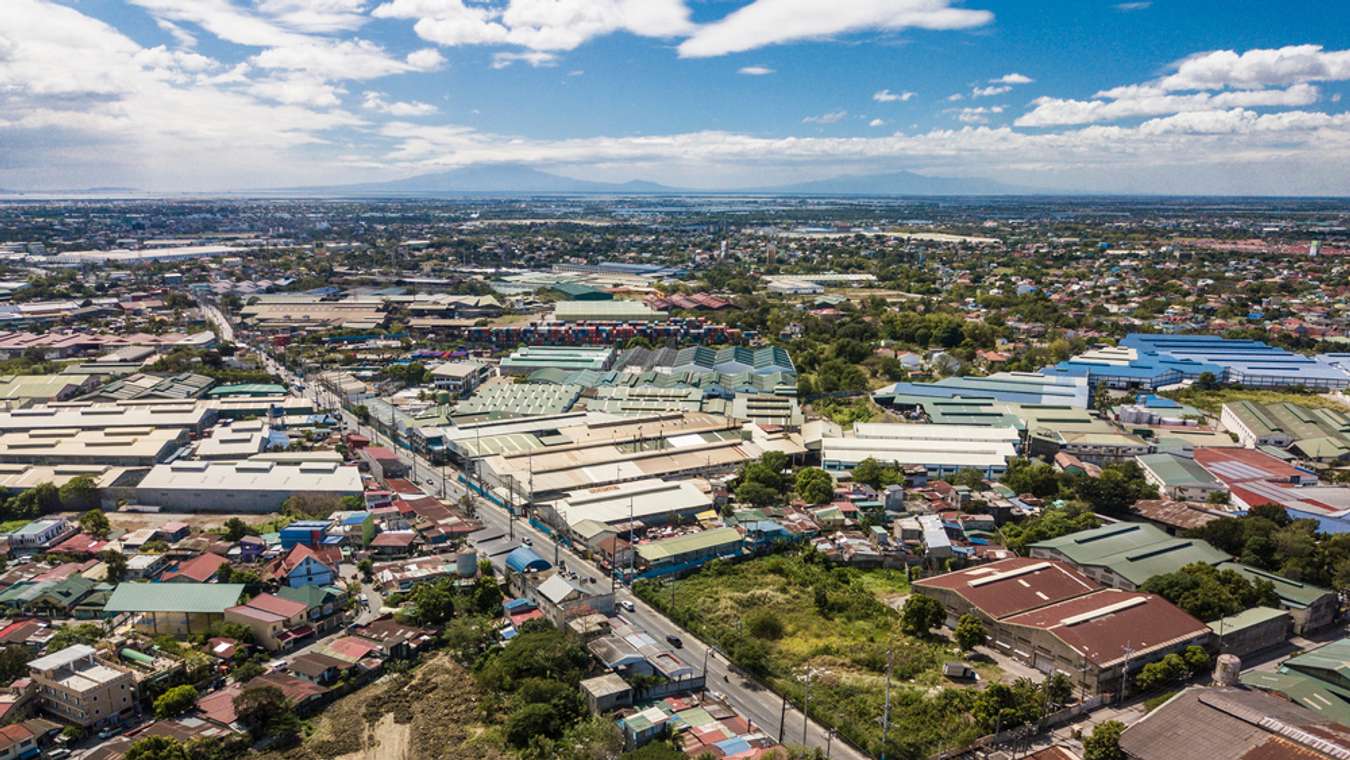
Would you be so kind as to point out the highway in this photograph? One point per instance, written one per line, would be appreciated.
(756, 702)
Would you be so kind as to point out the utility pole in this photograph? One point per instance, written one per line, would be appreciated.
(1124, 672)
(782, 718)
(806, 708)
(631, 550)
(829, 742)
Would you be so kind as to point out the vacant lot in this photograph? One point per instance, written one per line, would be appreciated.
(429, 713)
(1212, 401)
(786, 616)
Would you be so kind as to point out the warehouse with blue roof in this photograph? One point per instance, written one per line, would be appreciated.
(1145, 360)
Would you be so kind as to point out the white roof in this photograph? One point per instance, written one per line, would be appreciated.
(904, 452)
(610, 504)
(253, 475)
(932, 432)
(71, 654)
(88, 416)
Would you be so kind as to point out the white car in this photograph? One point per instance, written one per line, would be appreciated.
(627, 605)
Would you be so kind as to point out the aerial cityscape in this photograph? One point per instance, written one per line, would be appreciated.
(666, 380)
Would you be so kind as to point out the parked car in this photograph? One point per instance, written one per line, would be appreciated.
(675, 641)
(527, 541)
(627, 605)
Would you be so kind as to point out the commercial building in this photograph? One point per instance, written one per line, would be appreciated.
(1012, 387)
(124, 447)
(22, 391)
(1314, 435)
(460, 378)
(1057, 620)
(1212, 723)
(247, 486)
(15, 478)
(1150, 361)
(606, 311)
(241, 440)
(1178, 477)
(1255, 478)
(651, 501)
(671, 556)
(277, 624)
(1252, 630)
(193, 416)
(1125, 555)
(631, 449)
(1312, 607)
(520, 400)
(1315, 679)
(41, 534)
(76, 685)
(527, 359)
(942, 450)
(731, 360)
(174, 609)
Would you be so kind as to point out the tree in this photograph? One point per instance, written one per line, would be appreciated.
(969, 632)
(968, 477)
(175, 701)
(757, 494)
(1038, 479)
(814, 485)
(1104, 742)
(433, 603)
(14, 662)
(156, 748)
(235, 529)
(1058, 689)
(876, 475)
(116, 563)
(95, 523)
(366, 567)
(260, 707)
(1209, 593)
(1197, 659)
(1161, 673)
(921, 614)
(79, 493)
(764, 624)
(529, 721)
(368, 531)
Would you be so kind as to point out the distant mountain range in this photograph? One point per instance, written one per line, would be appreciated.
(515, 179)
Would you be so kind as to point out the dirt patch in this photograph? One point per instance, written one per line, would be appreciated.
(430, 713)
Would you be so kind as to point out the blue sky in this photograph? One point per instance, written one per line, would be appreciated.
(1167, 96)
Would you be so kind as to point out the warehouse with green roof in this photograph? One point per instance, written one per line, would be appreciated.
(174, 609)
(1318, 680)
(1126, 555)
(1178, 477)
(527, 359)
(671, 556)
(1317, 435)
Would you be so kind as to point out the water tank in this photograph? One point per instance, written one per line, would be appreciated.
(466, 564)
(1227, 668)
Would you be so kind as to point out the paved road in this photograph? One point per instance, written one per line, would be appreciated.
(752, 699)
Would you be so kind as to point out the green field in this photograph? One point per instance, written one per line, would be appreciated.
(784, 615)
(1212, 401)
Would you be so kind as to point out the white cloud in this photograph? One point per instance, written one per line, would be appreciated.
(833, 117)
(316, 15)
(1292, 64)
(770, 22)
(183, 37)
(301, 90)
(886, 96)
(1013, 78)
(225, 20)
(374, 101)
(539, 25)
(755, 71)
(954, 97)
(534, 58)
(1134, 6)
(1143, 100)
(978, 115)
(877, 123)
(986, 92)
(426, 59)
(106, 107)
(343, 59)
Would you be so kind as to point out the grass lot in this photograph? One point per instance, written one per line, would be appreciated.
(835, 621)
(431, 712)
(9, 526)
(1213, 401)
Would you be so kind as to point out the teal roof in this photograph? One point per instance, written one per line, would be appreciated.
(1292, 593)
(1177, 472)
(247, 389)
(174, 597)
(1246, 619)
(1318, 680)
(1134, 551)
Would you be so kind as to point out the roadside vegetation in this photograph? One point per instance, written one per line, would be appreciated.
(1212, 399)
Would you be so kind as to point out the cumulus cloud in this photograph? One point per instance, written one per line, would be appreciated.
(755, 71)
(770, 22)
(534, 58)
(539, 25)
(1013, 78)
(833, 117)
(1135, 6)
(985, 92)
(886, 96)
(316, 15)
(374, 101)
(978, 115)
(1143, 100)
(877, 123)
(1278, 67)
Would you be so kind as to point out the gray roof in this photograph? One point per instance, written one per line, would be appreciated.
(174, 597)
